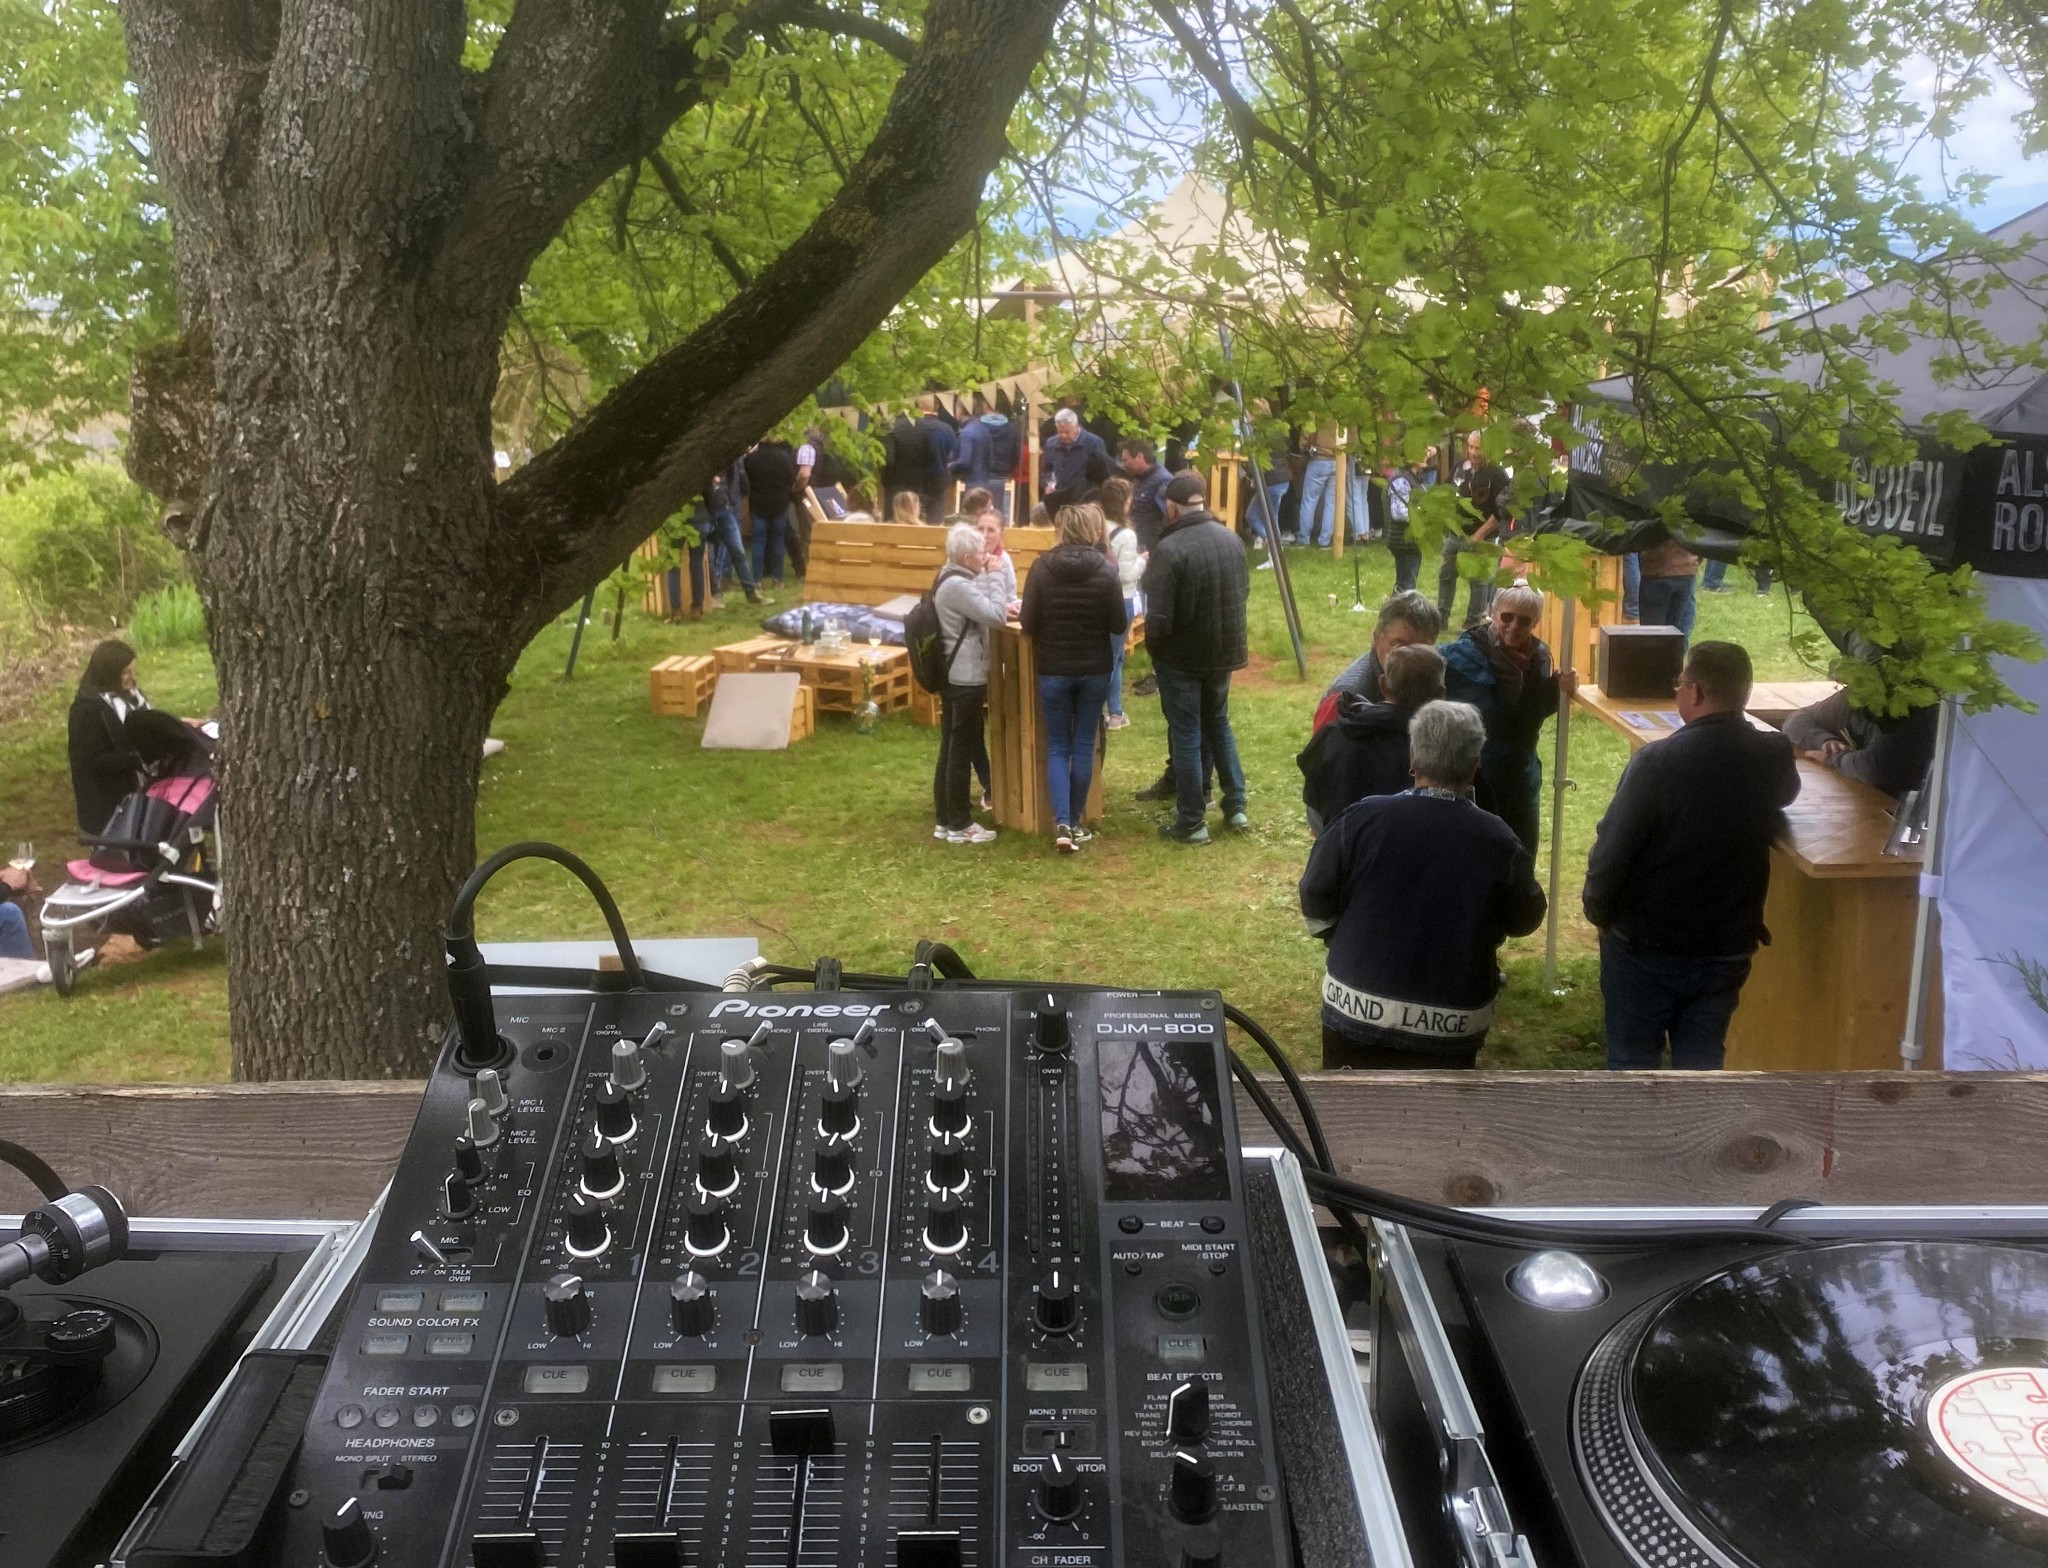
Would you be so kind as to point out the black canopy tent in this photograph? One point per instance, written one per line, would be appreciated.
(1987, 508)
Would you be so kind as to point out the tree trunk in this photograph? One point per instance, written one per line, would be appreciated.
(347, 575)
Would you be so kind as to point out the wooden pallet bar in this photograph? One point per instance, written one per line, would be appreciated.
(324, 1150)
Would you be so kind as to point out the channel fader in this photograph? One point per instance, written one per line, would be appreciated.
(950, 1277)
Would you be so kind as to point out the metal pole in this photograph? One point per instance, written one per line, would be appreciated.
(1281, 580)
(1558, 784)
(1913, 1046)
(576, 641)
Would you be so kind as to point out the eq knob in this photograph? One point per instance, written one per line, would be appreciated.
(839, 1111)
(938, 1304)
(1052, 1027)
(469, 1159)
(704, 1228)
(1192, 1492)
(825, 1223)
(602, 1177)
(945, 1225)
(568, 1305)
(629, 1070)
(590, 1233)
(718, 1169)
(726, 1114)
(691, 1309)
(345, 1539)
(817, 1304)
(458, 1198)
(948, 1168)
(1059, 1306)
(949, 1110)
(1059, 1488)
(832, 1164)
(1187, 1412)
(615, 1112)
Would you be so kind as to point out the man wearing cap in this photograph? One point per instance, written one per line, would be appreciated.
(1073, 462)
(1196, 584)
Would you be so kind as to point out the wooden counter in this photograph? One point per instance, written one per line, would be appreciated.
(1829, 993)
(1016, 739)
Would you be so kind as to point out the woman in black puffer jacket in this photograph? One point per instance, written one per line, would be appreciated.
(1073, 606)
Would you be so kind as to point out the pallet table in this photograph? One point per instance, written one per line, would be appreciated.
(1016, 739)
(836, 677)
(1829, 992)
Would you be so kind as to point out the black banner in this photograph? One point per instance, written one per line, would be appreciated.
(2004, 508)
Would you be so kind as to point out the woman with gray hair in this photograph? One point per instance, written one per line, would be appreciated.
(1502, 668)
(965, 615)
(1414, 893)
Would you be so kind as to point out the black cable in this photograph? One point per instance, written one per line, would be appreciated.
(1310, 1121)
(1340, 1192)
(462, 917)
(34, 1167)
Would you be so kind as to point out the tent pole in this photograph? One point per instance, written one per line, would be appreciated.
(1913, 1047)
(576, 641)
(1558, 785)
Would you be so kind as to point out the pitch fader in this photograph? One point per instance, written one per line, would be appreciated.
(937, 1279)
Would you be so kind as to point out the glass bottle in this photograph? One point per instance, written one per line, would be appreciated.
(868, 714)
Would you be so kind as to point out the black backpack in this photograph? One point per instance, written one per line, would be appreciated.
(1002, 450)
(924, 639)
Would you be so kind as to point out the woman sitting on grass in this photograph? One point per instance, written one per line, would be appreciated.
(1073, 607)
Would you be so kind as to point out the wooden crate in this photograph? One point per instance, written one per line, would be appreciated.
(924, 707)
(803, 714)
(681, 685)
(756, 653)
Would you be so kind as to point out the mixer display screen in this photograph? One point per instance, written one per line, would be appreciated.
(1162, 1121)
(935, 1279)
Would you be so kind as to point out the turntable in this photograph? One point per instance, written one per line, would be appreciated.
(1871, 1394)
(114, 1336)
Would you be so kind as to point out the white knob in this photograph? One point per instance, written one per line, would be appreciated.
(483, 1127)
(735, 1064)
(628, 1070)
(490, 1089)
(951, 1068)
(842, 1065)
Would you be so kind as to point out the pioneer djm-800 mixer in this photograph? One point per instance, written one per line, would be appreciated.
(944, 1277)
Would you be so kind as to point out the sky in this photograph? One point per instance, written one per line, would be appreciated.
(1986, 140)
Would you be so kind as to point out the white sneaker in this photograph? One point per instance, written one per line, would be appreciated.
(1265, 566)
(1117, 721)
(939, 832)
(977, 834)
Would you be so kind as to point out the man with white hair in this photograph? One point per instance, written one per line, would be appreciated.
(1073, 462)
(1414, 893)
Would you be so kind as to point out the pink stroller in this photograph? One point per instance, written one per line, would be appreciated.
(153, 874)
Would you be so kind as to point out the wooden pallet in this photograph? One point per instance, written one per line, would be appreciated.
(870, 563)
(756, 653)
(924, 707)
(803, 714)
(680, 686)
(836, 677)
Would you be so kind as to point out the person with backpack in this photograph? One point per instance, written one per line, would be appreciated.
(989, 447)
(946, 633)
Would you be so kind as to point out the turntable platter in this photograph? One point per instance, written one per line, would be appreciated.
(1874, 1404)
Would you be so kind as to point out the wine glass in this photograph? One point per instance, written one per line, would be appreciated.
(24, 856)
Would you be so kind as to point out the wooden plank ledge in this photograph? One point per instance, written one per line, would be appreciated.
(324, 1150)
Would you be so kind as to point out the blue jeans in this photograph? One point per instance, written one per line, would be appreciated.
(1073, 718)
(1713, 576)
(1652, 998)
(1407, 564)
(1318, 499)
(1631, 586)
(769, 536)
(723, 533)
(1669, 601)
(14, 942)
(1116, 659)
(1197, 709)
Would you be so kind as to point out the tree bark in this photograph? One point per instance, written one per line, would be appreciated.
(353, 213)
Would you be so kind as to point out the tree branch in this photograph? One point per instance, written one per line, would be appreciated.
(680, 199)
(1244, 119)
(847, 24)
(570, 514)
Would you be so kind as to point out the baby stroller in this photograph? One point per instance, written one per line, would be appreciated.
(153, 873)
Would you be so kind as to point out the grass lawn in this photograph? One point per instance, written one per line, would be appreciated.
(827, 848)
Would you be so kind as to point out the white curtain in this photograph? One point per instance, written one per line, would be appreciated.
(1993, 892)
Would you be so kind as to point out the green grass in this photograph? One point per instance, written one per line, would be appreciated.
(827, 848)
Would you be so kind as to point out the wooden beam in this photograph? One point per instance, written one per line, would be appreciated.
(323, 1151)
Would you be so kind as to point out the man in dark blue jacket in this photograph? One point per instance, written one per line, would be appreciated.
(1071, 464)
(1415, 893)
(1680, 868)
(1146, 512)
